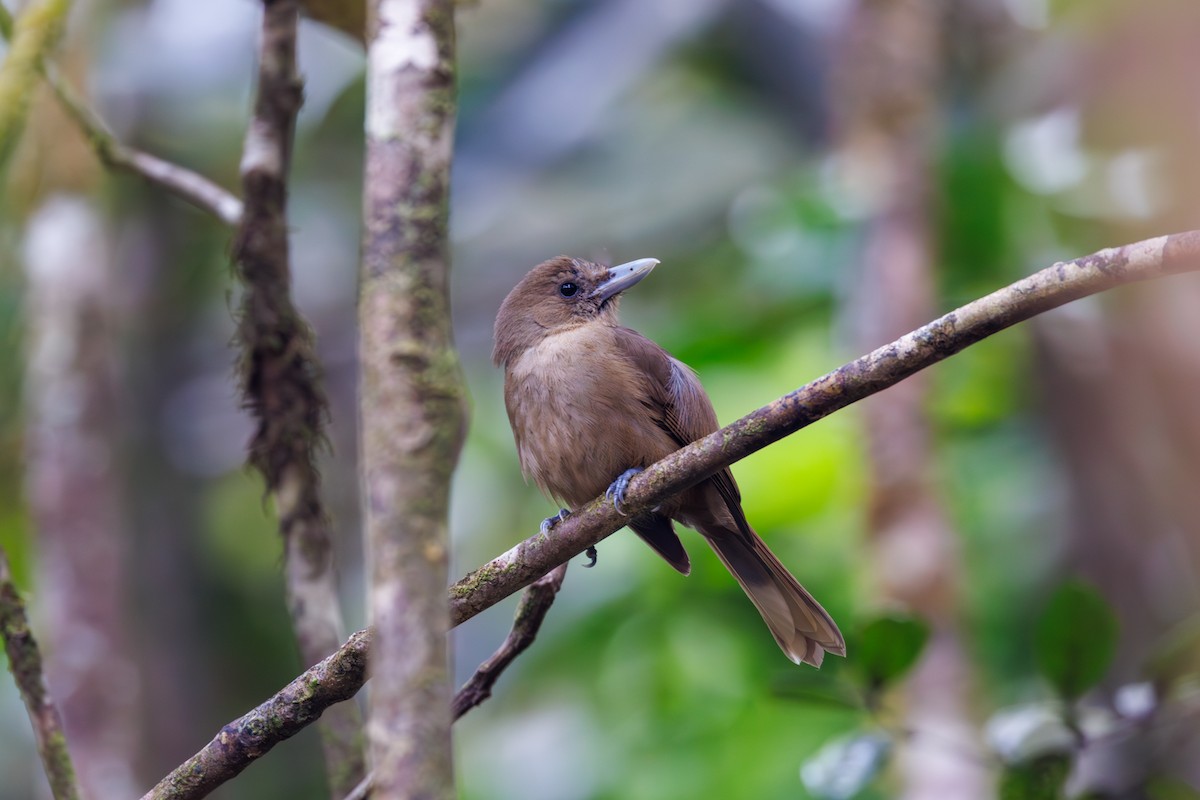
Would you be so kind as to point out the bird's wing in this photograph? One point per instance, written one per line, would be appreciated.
(680, 406)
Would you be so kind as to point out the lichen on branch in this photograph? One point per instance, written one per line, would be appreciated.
(412, 398)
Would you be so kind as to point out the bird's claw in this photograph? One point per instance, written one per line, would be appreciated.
(592, 554)
(550, 522)
(616, 492)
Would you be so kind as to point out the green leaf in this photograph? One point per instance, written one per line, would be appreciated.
(818, 692)
(1042, 779)
(1075, 639)
(888, 647)
(843, 767)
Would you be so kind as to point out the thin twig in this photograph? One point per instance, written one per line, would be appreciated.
(872, 373)
(534, 605)
(250, 737)
(364, 788)
(181, 181)
(25, 661)
(188, 185)
(868, 375)
(281, 378)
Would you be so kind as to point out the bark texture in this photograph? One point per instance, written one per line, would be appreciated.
(280, 378)
(250, 737)
(412, 391)
(25, 662)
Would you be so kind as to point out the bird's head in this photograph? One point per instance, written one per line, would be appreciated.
(558, 295)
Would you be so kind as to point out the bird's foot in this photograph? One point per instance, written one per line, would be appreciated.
(550, 522)
(616, 492)
(590, 553)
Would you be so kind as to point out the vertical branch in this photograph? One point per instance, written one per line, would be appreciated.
(72, 443)
(280, 377)
(25, 661)
(36, 31)
(412, 394)
(889, 73)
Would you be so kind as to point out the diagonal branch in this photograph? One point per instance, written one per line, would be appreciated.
(280, 378)
(338, 678)
(188, 185)
(25, 662)
(872, 373)
(531, 611)
(883, 367)
(248, 738)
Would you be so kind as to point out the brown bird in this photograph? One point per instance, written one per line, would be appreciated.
(591, 401)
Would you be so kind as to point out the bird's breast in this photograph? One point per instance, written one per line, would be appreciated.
(580, 414)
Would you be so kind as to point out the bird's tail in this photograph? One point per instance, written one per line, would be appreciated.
(804, 630)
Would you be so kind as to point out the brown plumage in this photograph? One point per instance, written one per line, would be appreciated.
(589, 399)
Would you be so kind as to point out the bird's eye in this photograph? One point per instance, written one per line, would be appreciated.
(568, 289)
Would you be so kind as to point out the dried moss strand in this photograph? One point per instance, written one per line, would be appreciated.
(280, 377)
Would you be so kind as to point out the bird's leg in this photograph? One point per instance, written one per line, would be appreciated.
(550, 522)
(616, 492)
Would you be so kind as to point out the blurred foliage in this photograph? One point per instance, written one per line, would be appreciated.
(1178, 655)
(1075, 640)
(887, 648)
(1171, 789)
(842, 768)
(611, 130)
(1037, 745)
(1042, 779)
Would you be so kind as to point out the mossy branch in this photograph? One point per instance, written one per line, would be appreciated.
(250, 737)
(25, 662)
(531, 612)
(34, 34)
(412, 393)
(870, 374)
